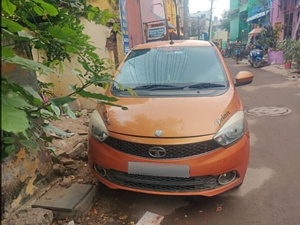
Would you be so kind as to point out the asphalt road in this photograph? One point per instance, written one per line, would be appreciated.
(270, 194)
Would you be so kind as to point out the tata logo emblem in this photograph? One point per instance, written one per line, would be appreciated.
(158, 133)
(157, 152)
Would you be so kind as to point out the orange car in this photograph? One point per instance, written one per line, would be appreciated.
(184, 132)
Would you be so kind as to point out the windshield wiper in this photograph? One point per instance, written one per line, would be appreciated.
(151, 87)
(203, 85)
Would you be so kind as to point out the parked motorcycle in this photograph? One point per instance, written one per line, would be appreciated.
(226, 52)
(255, 57)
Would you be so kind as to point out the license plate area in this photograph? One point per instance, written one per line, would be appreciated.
(159, 169)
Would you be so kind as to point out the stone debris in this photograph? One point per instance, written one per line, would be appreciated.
(31, 216)
(66, 161)
(66, 182)
(76, 151)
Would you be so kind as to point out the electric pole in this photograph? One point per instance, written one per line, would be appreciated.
(177, 20)
(210, 21)
(185, 19)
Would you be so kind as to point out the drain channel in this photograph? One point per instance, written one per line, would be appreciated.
(268, 111)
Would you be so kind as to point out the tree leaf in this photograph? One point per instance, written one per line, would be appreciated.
(46, 113)
(8, 7)
(28, 64)
(9, 35)
(11, 25)
(52, 149)
(13, 120)
(38, 10)
(55, 109)
(69, 111)
(47, 139)
(29, 144)
(62, 100)
(62, 33)
(91, 16)
(10, 149)
(13, 99)
(8, 140)
(7, 52)
(87, 94)
(49, 9)
(50, 129)
(37, 98)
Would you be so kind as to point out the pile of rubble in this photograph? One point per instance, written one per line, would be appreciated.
(70, 167)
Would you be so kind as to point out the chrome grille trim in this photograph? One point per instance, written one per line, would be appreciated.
(173, 151)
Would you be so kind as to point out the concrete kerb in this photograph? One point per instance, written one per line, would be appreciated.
(290, 74)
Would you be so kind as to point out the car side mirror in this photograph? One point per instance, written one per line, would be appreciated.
(243, 78)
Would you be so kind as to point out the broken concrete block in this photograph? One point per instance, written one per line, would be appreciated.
(76, 151)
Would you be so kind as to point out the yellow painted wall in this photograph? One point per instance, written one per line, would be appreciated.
(170, 13)
(221, 35)
(98, 34)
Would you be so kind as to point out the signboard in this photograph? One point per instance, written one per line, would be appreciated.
(156, 31)
(124, 26)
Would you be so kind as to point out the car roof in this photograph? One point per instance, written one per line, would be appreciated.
(177, 43)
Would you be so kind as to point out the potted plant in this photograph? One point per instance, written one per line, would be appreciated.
(269, 37)
(296, 53)
(291, 50)
(287, 46)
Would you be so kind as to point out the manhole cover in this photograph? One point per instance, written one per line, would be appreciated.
(268, 111)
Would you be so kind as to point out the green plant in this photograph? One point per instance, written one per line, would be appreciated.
(296, 53)
(287, 46)
(54, 28)
(269, 37)
(291, 50)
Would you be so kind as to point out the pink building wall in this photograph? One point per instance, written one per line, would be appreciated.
(134, 20)
(281, 7)
(152, 10)
(139, 12)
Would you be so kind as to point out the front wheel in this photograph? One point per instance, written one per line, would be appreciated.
(237, 58)
(256, 63)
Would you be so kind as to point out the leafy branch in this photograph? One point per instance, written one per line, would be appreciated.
(52, 27)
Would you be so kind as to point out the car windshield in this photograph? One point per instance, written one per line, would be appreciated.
(172, 68)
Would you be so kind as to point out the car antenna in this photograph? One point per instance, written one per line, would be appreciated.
(171, 41)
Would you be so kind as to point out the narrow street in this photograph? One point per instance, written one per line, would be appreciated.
(269, 195)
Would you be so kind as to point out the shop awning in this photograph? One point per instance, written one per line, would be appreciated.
(255, 31)
(258, 15)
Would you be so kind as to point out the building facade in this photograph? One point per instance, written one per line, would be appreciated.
(246, 15)
(286, 14)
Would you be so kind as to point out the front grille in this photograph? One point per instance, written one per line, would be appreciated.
(173, 151)
(162, 184)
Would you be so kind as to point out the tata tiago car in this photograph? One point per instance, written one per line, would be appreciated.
(184, 132)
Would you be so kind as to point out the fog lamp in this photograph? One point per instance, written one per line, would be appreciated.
(226, 178)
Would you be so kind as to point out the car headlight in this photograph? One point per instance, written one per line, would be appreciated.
(97, 127)
(232, 130)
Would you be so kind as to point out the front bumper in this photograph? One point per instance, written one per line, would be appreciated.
(111, 167)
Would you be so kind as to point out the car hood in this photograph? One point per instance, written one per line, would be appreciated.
(171, 117)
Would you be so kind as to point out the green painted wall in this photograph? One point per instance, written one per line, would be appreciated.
(234, 4)
(234, 29)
